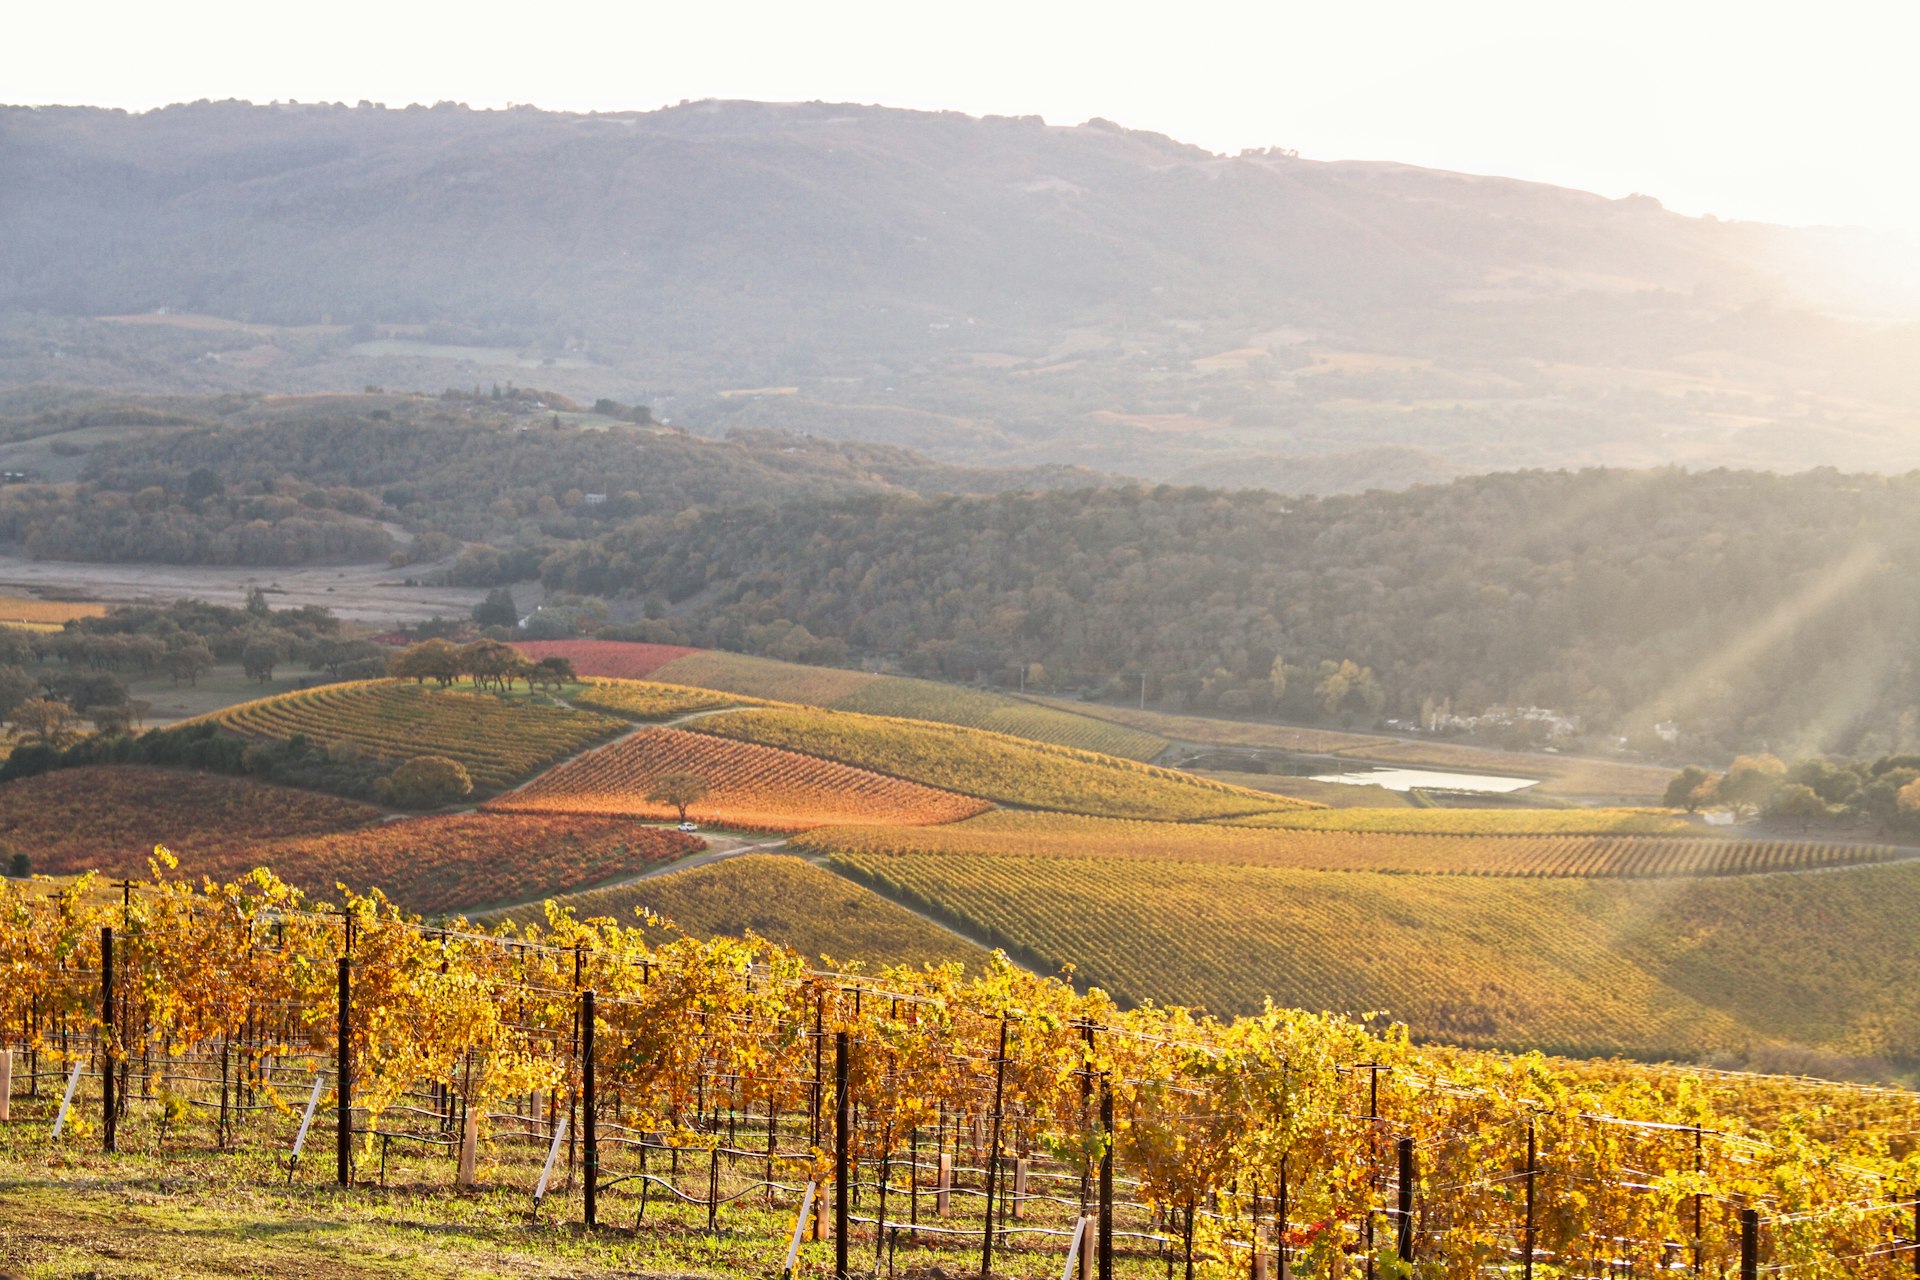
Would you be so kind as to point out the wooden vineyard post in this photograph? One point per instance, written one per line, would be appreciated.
(816, 1093)
(469, 1150)
(343, 1074)
(1749, 1244)
(1280, 1218)
(1106, 1177)
(1916, 1235)
(842, 1147)
(993, 1151)
(6, 1084)
(943, 1190)
(1405, 1210)
(589, 1104)
(1020, 1189)
(1698, 1231)
(573, 1093)
(108, 1138)
(1086, 1119)
(1526, 1236)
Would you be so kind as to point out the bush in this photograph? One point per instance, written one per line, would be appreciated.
(426, 781)
(20, 866)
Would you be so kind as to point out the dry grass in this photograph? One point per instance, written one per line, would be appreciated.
(45, 614)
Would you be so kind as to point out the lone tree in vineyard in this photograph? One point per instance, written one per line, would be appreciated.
(678, 790)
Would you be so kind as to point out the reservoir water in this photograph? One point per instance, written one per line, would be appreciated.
(1429, 780)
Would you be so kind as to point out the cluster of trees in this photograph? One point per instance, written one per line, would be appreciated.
(1884, 791)
(514, 492)
(185, 639)
(299, 761)
(166, 525)
(1753, 610)
(52, 686)
(490, 664)
(425, 782)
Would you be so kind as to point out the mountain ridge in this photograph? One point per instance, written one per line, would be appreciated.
(990, 290)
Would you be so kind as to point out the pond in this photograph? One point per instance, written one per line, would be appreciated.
(1429, 780)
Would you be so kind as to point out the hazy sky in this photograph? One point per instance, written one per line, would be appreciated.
(1799, 115)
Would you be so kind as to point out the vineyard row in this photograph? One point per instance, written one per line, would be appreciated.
(1311, 1136)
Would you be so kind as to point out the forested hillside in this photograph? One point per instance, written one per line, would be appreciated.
(1752, 609)
(293, 480)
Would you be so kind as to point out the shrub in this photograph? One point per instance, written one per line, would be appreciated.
(426, 781)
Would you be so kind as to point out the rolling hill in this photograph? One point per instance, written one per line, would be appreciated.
(992, 289)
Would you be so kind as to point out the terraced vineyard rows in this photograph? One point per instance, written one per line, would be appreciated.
(612, 659)
(1667, 968)
(749, 786)
(457, 862)
(1486, 822)
(992, 766)
(763, 677)
(499, 740)
(1225, 733)
(1061, 836)
(1474, 961)
(645, 700)
(1336, 795)
(783, 899)
(109, 817)
(997, 713)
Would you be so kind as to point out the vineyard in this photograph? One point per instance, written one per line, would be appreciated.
(1564, 775)
(606, 659)
(643, 700)
(498, 740)
(1661, 968)
(1054, 835)
(992, 766)
(999, 1122)
(763, 677)
(997, 713)
(770, 680)
(784, 900)
(1336, 795)
(108, 817)
(1568, 776)
(1459, 959)
(1226, 733)
(457, 862)
(1485, 822)
(747, 786)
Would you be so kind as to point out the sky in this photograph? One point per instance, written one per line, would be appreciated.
(1796, 115)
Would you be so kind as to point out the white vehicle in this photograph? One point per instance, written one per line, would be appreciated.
(689, 826)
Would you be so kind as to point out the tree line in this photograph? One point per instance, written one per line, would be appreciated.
(1748, 609)
(1815, 790)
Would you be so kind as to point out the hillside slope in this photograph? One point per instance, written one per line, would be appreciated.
(984, 289)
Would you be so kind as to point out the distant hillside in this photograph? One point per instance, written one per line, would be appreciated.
(984, 290)
(284, 480)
